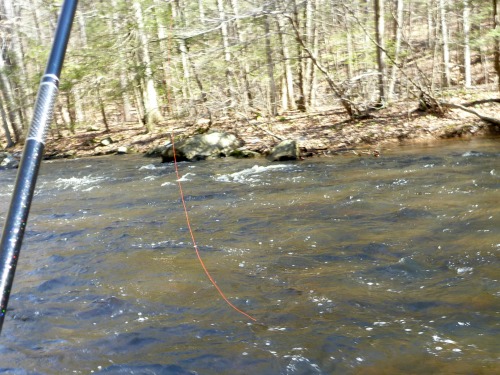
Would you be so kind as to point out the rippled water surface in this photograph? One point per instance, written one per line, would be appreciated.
(351, 266)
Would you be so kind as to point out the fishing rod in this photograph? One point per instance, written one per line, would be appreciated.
(17, 216)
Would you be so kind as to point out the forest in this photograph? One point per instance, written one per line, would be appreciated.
(146, 62)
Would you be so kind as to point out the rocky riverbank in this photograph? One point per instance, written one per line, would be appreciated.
(325, 132)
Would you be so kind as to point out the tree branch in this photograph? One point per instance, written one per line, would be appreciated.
(488, 119)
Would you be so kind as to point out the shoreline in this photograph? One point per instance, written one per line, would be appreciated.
(323, 133)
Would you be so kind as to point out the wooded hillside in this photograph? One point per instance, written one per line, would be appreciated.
(145, 61)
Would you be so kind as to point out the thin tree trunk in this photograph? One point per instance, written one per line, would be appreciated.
(180, 23)
(308, 40)
(301, 99)
(10, 104)
(102, 108)
(313, 43)
(288, 77)
(380, 47)
(245, 65)
(71, 111)
(226, 49)
(398, 31)
(483, 53)
(349, 46)
(201, 12)
(151, 105)
(467, 58)
(5, 125)
(25, 93)
(124, 82)
(350, 108)
(496, 27)
(164, 50)
(430, 24)
(445, 44)
(270, 68)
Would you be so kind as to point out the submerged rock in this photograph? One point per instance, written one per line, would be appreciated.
(202, 146)
(285, 150)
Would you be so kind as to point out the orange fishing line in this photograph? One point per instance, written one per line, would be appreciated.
(194, 241)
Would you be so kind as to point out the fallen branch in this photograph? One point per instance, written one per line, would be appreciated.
(482, 101)
(488, 119)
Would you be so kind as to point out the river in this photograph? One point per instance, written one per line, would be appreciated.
(351, 265)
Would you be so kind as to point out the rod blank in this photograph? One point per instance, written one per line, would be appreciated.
(17, 216)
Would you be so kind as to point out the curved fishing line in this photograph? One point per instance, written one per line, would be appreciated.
(194, 241)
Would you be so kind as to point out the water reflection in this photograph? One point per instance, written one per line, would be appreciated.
(351, 265)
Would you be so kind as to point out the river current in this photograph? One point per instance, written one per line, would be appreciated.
(351, 265)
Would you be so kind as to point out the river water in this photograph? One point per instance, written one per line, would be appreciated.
(351, 265)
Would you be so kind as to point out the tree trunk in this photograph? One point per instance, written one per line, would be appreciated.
(288, 75)
(312, 36)
(431, 34)
(124, 81)
(484, 56)
(5, 126)
(25, 95)
(301, 99)
(445, 44)
(151, 106)
(179, 25)
(10, 104)
(201, 12)
(350, 108)
(270, 69)
(102, 108)
(379, 37)
(398, 35)
(467, 59)
(349, 46)
(245, 66)
(227, 51)
(71, 111)
(496, 27)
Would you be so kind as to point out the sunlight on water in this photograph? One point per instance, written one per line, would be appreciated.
(351, 265)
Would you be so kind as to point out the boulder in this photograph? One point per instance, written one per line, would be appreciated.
(285, 150)
(122, 150)
(93, 128)
(106, 141)
(8, 161)
(202, 146)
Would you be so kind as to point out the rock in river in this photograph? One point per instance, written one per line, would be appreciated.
(8, 161)
(285, 150)
(202, 146)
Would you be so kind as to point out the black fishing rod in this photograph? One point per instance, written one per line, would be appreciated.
(15, 223)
